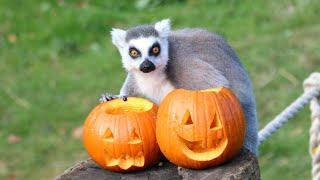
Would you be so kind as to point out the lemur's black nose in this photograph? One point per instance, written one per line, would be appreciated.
(147, 66)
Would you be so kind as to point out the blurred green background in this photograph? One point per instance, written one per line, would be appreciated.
(56, 58)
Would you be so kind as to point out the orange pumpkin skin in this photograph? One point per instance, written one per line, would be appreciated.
(200, 129)
(120, 135)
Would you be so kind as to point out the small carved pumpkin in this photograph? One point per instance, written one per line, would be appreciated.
(199, 129)
(120, 135)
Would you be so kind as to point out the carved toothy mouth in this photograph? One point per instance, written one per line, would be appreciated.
(195, 151)
(125, 161)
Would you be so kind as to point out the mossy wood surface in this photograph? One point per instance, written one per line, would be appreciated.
(244, 166)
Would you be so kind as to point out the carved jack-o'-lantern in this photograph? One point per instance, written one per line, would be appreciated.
(120, 135)
(199, 129)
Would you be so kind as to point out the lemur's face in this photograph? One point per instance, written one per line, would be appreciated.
(143, 48)
(145, 54)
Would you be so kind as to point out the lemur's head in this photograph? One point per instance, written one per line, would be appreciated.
(143, 48)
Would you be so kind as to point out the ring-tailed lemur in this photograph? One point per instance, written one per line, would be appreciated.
(159, 60)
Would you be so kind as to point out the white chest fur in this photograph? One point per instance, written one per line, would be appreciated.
(154, 86)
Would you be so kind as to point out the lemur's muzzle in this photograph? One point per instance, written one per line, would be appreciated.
(147, 66)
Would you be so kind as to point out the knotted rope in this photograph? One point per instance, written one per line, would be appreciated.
(312, 90)
(313, 82)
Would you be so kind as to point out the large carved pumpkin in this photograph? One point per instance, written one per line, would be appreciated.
(120, 135)
(199, 129)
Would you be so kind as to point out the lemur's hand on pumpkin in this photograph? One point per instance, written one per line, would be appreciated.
(108, 97)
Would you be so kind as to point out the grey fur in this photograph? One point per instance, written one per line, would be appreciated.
(129, 87)
(199, 59)
(141, 31)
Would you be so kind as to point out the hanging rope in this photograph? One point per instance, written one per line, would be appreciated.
(312, 90)
(313, 82)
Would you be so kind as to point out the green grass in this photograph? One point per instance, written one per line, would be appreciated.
(62, 60)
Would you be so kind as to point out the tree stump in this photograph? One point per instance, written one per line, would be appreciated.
(243, 166)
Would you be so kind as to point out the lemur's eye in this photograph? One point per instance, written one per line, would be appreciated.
(155, 49)
(134, 53)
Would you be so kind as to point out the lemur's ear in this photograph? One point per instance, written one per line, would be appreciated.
(163, 27)
(118, 37)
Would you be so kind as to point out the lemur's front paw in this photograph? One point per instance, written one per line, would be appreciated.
(108, 97)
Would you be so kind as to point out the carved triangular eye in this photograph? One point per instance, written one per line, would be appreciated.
(214, 122)
(108, 136)
(186, 120)
(134, 137)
